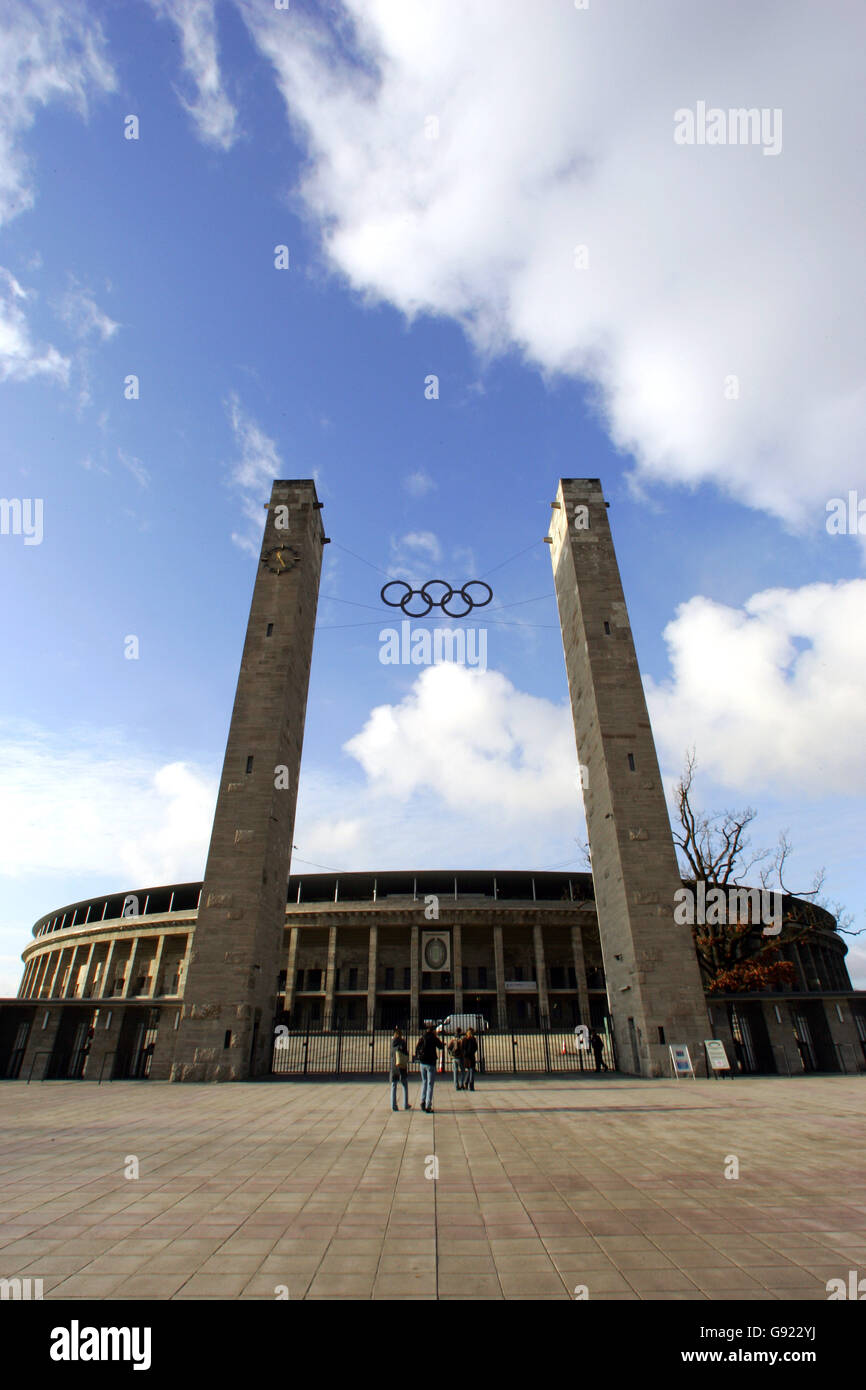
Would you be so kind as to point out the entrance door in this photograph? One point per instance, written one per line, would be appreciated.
(755, 1025)
(80, 1049)
(71, 1045)
(14, 1032)
(743, 1045)
(803, 1039)
(826, 1056)
(138, 1033)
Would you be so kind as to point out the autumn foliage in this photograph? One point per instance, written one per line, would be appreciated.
(758, 974)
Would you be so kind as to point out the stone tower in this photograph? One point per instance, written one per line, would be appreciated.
(653, 981)
(226, 1031)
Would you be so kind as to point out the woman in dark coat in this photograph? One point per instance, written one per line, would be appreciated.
(399, 1069)
(470, 1050)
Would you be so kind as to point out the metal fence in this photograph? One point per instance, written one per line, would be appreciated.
(354, 1052)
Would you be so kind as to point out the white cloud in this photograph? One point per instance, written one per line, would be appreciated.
(253, 474)
(418, 484)
(461, 770)
(88, 802)
(412, 555)
(474, 740)
(85, 812)
(135, 467)
(555, 130)
(771, 694)
(51, 53)
(20, 358)
(210, 108)
(82, 315)
(260, 462)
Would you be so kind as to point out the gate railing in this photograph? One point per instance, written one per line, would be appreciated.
(354, 1052)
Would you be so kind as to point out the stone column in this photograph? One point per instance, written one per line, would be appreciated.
(372, 967)
(328, 1021)
(160, 1067)
(46, 984)
(157, 963)
(580, 973)
(69, 987)
(541, 974)
(86, 964)
(107, 980)
(415, 978)
(90, 973)
(499, 962)
(653, 981)
(292, 970)
(104, 1042)
(34, 981)
(41, 970)
(786, 1054)
(57, 977)
(457, 966)
(130, 969)
(844, 1035)
(238, 946)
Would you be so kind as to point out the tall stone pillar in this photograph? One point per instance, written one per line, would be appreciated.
(372, 971)
(330, 974)
(654, 986)
(232, 981)
(157, 966)
(292, 972)
(130, 969)
(457, 966)
(107, 980)
(541, 974)
(414, 978)
(499, 965)
(580, 973)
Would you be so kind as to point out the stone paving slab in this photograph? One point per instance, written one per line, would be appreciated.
(544, 1186)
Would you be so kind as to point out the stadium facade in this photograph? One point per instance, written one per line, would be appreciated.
(194, 982)
(104, 978)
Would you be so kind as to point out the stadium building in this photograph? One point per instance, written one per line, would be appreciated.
(236, 978)
(362, 953)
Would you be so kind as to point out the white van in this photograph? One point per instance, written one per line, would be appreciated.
(459, 1023)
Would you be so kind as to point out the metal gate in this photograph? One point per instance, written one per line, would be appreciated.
(356, 1052)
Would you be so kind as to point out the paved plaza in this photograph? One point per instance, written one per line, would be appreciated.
(317, 1190)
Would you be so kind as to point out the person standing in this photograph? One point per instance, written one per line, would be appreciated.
(399, 1068)
(429, 1045)
(470, 1051)
(597, 1046)
(455, 1049)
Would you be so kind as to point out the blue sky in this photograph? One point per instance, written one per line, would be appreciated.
(431, 182)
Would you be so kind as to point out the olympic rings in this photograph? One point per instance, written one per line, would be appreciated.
(431, 602)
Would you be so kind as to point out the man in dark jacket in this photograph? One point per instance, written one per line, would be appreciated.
(597, 1046)
(470, 1051)
(426, 1052)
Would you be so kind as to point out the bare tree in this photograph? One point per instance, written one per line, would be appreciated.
(716, 848)
(713, 846)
